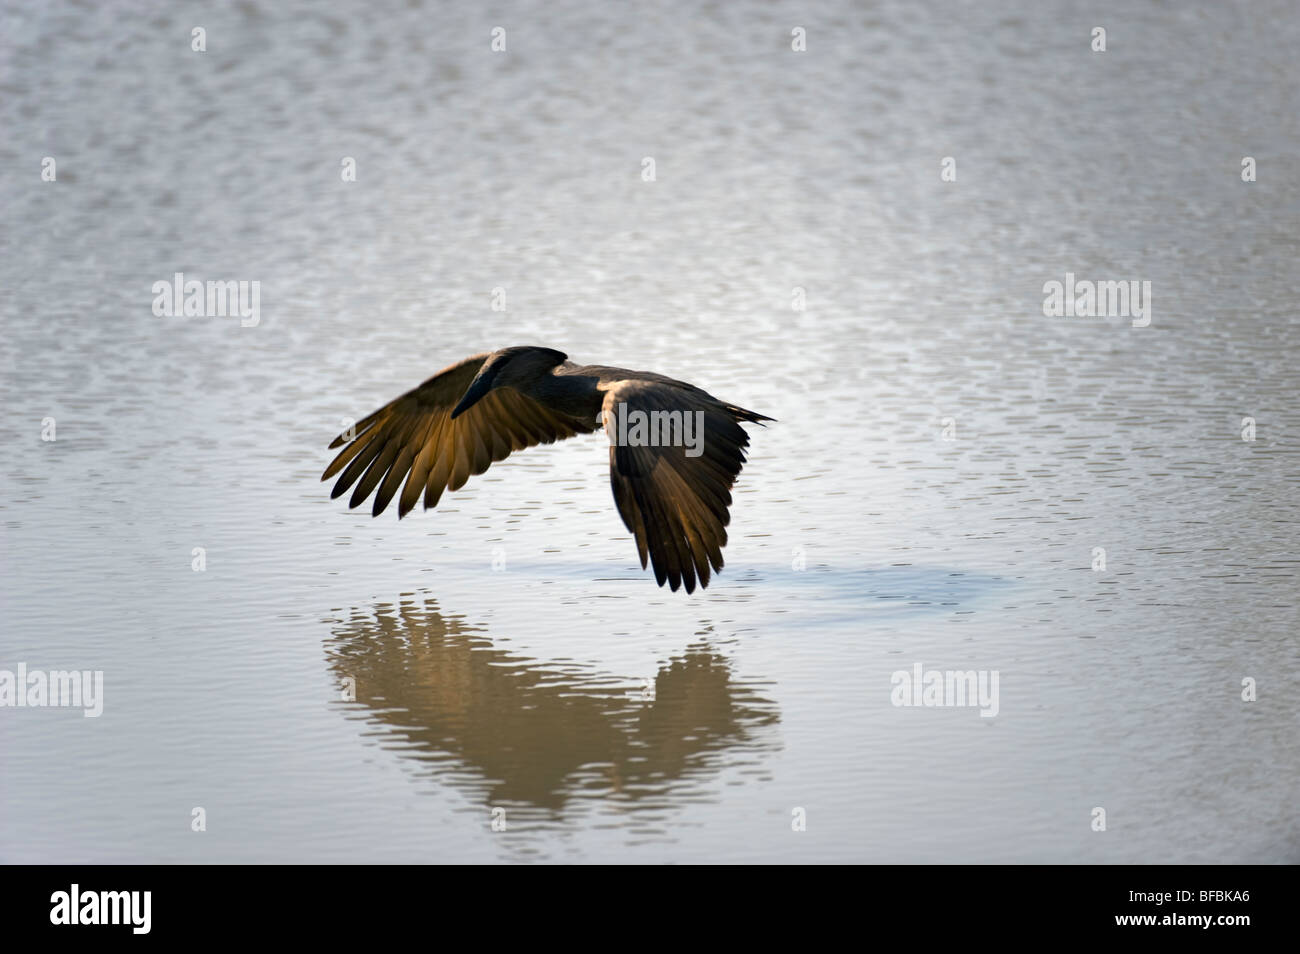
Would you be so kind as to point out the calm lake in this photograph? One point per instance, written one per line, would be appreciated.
(852, 237)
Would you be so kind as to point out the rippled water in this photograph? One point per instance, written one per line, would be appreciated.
(945, 465)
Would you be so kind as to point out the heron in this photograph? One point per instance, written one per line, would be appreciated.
(672, 484)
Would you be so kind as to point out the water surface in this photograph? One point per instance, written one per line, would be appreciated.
(335, 688)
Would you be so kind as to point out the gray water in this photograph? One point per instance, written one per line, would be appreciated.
(946, 462)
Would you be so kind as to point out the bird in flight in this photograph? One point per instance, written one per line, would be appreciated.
(675, 450)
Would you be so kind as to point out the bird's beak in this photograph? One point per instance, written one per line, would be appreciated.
(478, 388)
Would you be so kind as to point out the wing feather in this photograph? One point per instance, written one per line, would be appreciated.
(414, 439)
(676, 506)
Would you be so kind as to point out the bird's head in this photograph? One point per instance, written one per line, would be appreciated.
(509, 367)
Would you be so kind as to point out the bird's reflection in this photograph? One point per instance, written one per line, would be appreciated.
(516, 730)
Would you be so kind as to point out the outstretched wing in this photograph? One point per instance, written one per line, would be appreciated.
(415, 438)
(675, 505)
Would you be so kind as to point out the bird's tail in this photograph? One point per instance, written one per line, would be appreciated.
(743, 415)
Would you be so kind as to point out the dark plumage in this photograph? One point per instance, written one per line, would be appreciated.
(479, 410)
